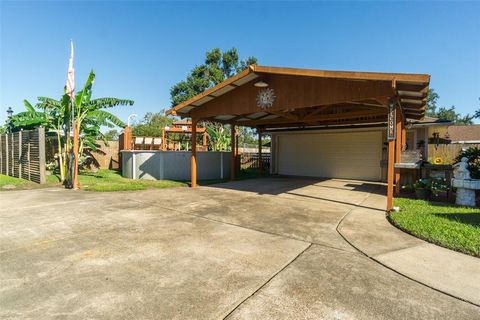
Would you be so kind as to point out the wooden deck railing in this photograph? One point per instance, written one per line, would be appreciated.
(252, 161)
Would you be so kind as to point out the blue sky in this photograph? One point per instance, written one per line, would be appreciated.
(140, 49)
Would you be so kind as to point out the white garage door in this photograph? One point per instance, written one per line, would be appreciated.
(346, 155)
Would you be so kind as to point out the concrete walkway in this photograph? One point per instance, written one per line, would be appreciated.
(445, 270)
(255, 249)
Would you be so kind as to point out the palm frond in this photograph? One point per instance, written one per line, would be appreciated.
(83, 97)
(45, 103)
(102, 103)
(28, 106)
(105, 116)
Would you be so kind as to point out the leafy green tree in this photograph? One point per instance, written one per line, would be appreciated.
(447, 113)
(432, 98)
(452, 115)
(55, 115)
(218, 137)
(111, 135)
(217, 67)
(152, 124)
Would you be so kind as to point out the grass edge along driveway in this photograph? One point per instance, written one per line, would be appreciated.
(104, 180)
(447, 225)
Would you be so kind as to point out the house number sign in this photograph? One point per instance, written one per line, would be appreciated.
(391, 123)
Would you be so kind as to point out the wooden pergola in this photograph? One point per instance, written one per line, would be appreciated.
(182, 127)
(304, 98)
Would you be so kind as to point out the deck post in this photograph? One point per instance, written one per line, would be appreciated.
(398, 146)
(193, 179)
(163, 139)
(234, 156)
(260, 162)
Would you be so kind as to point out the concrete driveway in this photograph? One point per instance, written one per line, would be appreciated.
(255, 249)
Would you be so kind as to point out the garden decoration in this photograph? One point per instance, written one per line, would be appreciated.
(465, 185)
(265, 98)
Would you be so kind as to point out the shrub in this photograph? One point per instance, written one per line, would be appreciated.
(473, 156)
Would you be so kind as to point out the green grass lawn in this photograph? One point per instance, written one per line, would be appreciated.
(101, 181)
(447, 225)
(111, 180)
(7, 181)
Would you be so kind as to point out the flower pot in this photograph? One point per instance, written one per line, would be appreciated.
(422, 193)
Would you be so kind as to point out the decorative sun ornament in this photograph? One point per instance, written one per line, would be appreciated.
(265, 98)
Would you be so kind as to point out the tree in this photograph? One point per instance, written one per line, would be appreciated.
(217, 67)
(152, 124)
(218, 137)
(446, 113)
(55, 115)
(111, 135)
(432, 98)
(452, 115)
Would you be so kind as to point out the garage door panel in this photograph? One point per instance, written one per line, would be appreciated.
(348, 155)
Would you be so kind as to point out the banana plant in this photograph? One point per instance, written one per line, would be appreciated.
(218, 137)
(56, 115)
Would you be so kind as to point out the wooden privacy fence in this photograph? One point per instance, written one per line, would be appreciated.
(251, 161)
(447, 152)
(22, 155)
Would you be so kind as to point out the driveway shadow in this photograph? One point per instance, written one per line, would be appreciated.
(346, 192)
(275, 185)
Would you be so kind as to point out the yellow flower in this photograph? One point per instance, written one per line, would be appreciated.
(438, 160)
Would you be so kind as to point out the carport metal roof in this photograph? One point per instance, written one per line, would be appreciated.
(306, 98)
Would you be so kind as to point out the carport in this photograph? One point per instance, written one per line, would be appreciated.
(330, 124)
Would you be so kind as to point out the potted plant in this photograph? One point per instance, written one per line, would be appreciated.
(422, 188)
(438, 187)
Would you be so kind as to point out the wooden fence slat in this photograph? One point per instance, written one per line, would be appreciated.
(22, 154)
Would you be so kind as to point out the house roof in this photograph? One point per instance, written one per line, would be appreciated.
(464, 134)
(305, 97)
(429, 121)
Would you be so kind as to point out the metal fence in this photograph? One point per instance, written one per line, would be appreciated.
(22, 155)
(252, 161)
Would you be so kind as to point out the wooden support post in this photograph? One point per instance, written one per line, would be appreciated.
(391, 136)
(390, 175)
(204, 139)
(193, 179)
(237, 153)
(76, 138)
(163, 138)
(234, 155)
(404, 137)
(398, 147)
(260, 162)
